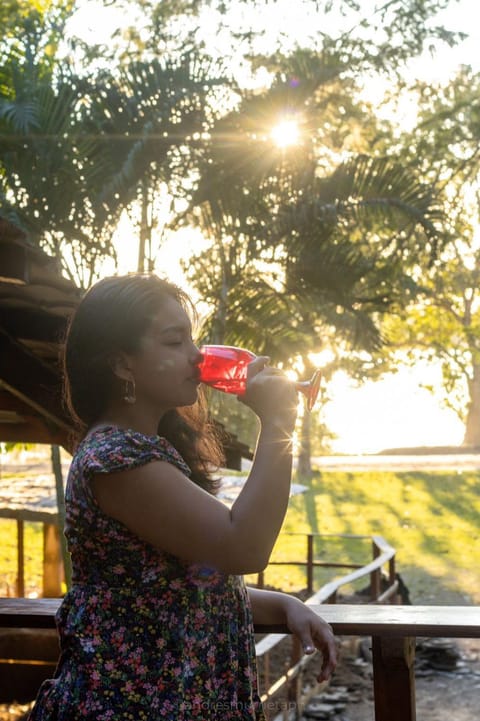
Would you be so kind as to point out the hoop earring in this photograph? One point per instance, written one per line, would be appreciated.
(129, 395)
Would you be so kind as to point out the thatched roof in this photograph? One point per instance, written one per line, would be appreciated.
(35, 305)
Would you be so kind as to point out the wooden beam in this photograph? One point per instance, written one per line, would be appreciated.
(20, 557)
(34, 430)
(33, 323)
(28, 612)
(34, 382)
(30, 427)
(13, 262)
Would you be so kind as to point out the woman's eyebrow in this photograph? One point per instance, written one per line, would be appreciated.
(175, 329)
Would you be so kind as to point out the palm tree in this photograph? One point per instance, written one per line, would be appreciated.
(45, 182)
(300, 246)
(149, 119)
(76, 151)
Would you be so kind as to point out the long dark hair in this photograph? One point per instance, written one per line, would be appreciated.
(113, 316)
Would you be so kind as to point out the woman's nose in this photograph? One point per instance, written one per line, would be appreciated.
(196, 356)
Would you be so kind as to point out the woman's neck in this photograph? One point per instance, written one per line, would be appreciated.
(132, 417)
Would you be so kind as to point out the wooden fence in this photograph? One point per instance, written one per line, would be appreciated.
(384, 586)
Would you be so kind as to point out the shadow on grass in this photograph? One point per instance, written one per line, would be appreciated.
(431, 519)
(429, 590)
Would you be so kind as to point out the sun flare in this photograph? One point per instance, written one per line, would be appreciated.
(285, 133)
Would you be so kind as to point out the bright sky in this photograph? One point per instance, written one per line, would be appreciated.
(394, 412)
(391, 413)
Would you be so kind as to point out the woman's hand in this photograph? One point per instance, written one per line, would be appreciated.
(313, 632)
(275, 607)
(271, 395)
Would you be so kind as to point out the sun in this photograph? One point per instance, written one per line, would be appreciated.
(285, 133)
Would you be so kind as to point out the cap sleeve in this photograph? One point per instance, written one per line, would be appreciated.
(108, 450)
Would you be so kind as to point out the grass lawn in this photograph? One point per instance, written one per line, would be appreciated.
(8, 557)
(33, 549)
(432, 519)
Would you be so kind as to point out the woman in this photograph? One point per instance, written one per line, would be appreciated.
(158, 622)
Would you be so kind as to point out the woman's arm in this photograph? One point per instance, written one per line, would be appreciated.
(162, 506)
(272, 607)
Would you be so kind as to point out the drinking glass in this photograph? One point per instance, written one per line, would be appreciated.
(224, 367)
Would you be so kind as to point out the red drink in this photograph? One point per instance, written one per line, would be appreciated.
(225, 368)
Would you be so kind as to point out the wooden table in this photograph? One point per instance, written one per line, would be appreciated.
(393, 630)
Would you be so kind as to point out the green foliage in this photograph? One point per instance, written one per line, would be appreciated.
(373, 37)
(46, 187)
(354, 236)
(30, 24)
(236, 417)
(6, 447)
(309, 242)
(443, 325)
(75, 150)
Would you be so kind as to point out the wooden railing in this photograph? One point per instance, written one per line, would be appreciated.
(382, 553)
(52, 557)
(393, 629)
(289, 683)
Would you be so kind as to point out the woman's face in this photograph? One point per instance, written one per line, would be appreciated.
(165, 367)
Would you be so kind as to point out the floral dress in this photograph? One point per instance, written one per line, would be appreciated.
(143, 634)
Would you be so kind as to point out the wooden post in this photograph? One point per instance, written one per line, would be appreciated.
(294, 686)
(20, 559)
(267, 680)
(375, 585)
(52, 561)
(391, 579)
(310, 564)
(393, 678)
(57, 471)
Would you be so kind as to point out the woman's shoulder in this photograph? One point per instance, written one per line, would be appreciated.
(110, 448)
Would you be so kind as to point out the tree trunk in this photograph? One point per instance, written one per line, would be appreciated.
(144, 262)
(142, 236)
(304, 466)
(218, 329)
(304, 457)
(472, 424)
